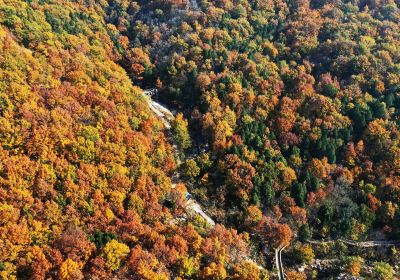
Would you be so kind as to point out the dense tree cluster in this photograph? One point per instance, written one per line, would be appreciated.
(289, 115)
(296, 100)
(294, 104)
(84, 164)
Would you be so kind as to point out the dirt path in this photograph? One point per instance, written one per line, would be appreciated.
(364, 244)
(167, 117)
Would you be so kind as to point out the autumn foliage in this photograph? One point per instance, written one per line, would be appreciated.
(287, 127)
(84, 163)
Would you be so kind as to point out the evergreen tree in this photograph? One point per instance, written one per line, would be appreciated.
(305, 233)
(299, 193)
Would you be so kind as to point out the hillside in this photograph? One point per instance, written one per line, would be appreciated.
(85, 166)
(286, 134)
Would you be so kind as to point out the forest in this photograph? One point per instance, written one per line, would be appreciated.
(286, 132)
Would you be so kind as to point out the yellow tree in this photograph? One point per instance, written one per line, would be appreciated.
(70, 270)
(114, 252)
(181, 132)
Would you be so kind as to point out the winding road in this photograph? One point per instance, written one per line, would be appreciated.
(278, 262)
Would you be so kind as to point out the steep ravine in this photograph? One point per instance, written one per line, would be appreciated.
(167, 117)
(192, 206)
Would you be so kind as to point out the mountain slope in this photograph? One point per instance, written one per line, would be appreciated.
(84, 164)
